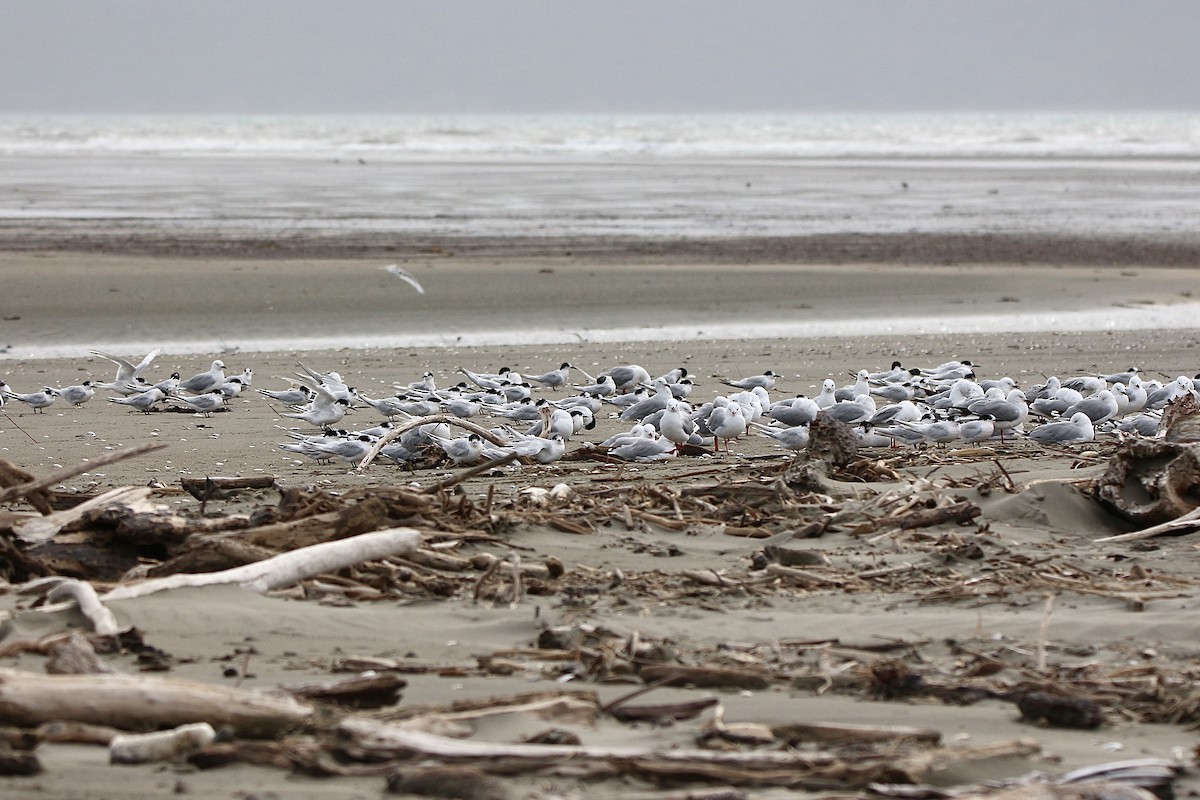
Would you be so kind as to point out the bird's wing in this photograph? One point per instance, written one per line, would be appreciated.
(406, 276)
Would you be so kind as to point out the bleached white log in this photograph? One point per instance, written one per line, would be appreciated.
(286, 568)
(143, 703)
(146, 748)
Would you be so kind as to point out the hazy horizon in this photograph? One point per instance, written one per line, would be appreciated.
(306, 57)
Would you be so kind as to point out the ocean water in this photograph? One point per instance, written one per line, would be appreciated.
(659, 176)
(667, 177)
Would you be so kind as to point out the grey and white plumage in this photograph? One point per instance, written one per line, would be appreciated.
(797, 411)
(1099, 407)
(295, 396)
(78, 394)
(766, 381)
(627, 377)
(644, 450)
(406, 276)
(1005, 413)
(205, 381)
(1141, 424)
(852, 412)
(142, 401)
(1078, 429)
(38, 401)
(553, 379)
(205, 403)
(462, 449)
(323, 410)
(604, 386)
(128, 372)
(793, 438)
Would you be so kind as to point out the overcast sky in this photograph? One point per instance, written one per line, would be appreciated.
(441, 56)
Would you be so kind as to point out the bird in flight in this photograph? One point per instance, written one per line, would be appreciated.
(406, 276)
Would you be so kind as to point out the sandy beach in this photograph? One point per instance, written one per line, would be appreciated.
(59, 304)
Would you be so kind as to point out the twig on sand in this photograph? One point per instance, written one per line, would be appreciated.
(61, 475)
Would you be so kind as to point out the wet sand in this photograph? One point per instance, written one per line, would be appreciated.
(220, 306)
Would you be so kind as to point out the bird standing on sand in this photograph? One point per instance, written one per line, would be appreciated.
(142, 401)
(766, 381)
(203, 403)
(35, 400)
(324, 410)
(205, 381)
(1078, 429)
(77, 395)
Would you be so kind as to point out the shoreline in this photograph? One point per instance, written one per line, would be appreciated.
(60, 304)
(143, 238)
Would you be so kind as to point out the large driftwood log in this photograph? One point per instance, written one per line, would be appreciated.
(748, 767)
(1151, 481)
(143, 703)
(286, 568)
(42, 529)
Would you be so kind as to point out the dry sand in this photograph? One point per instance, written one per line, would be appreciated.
(74, 300)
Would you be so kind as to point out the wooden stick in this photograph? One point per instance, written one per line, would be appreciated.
(61, 475)
(1188, 520)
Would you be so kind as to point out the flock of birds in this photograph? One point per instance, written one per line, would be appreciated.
(897, 407)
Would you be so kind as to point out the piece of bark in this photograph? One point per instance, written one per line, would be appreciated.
(460, 782)
(826, 732)
(12, 475)
(210, 488)
(705, 677)
(18, 762)
(661, 713)
(62, 732)
(143, 702)
(958, 513)
(76, 656)
(362, 691)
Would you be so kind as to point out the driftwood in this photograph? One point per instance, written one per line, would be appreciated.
(141, 703)
(1189, 521)
(286, 568)
(1151, 481)
(12, 475)
(25, 489)
(210, 488)
(41, 529)
(750, 767)
(146, 748)
(363, 691)
(84, 596)
(959, 513)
